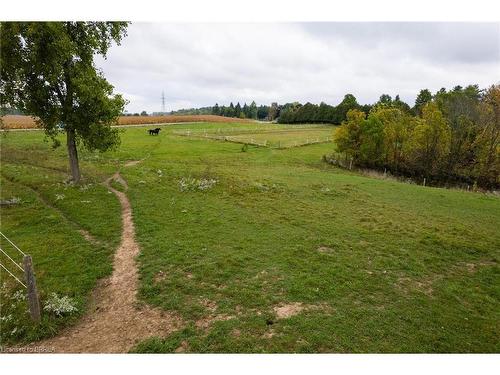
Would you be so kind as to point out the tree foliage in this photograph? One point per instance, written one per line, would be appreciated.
(456, 137)
(48, 71)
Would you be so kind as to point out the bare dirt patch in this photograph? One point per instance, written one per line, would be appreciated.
(206, 322)
(159, 277)
(209, 304)
(269, 334)
(184, 347)
(236, 332)
(473, 267)
(116, 321)
(407, 284)
(288, 310)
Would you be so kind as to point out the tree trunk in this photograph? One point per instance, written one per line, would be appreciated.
(73, 156)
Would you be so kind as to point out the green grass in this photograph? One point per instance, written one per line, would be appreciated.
(269, 135)
(380, 266)
(46, 224)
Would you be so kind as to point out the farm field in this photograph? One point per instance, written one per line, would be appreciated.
(27, 122)
(268, 250)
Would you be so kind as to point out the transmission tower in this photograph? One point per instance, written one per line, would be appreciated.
(162, 102)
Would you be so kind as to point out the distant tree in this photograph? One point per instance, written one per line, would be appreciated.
(252, 111)
(48, 71)
(340, 114)
(216, 110)
(422, 99)
(324, 113)
(430, 140)
(461, 111)
(487, 168)
(385, 99)
(397, 132)
(245, 111)
(366, 108)
(288, 113)
(273, 111)
(230, 110)
(371, 151)
(306, 113)
(144, 113)
(398, 103)
(263, 112)
(237, 110)
(348, 136)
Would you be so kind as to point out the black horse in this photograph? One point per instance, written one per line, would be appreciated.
(154, 131)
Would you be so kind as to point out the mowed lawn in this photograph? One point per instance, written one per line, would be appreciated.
(284, 253)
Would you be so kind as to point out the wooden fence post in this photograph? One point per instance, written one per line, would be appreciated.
(33, 301)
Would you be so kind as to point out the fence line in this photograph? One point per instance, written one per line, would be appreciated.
(13, 244)
(11, 274)
(250, 141)
(12, 260)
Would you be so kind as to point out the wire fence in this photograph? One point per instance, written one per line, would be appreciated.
(245, 138)
(6, 266)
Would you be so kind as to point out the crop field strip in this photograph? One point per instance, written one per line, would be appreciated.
(28, 122)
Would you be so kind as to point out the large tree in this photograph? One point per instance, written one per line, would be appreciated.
(47, 70)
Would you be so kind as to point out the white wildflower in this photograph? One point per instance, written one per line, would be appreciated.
(6, 319)
(59, 305)
(59, 197)
(193, 184)
(85, 187)
(13, 200)
(18, 296)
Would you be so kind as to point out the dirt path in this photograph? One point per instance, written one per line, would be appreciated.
(115, 321)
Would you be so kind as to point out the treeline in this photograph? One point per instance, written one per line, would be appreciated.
(252, 111)
(193, 111)
(297, 113)
(451, 136)
(6, 110)
(248, 111)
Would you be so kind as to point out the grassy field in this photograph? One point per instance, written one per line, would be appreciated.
(268, 135)
(266, 250)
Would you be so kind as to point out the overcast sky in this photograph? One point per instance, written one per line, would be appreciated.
(200, 64)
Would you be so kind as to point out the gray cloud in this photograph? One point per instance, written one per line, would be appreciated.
(200, 64)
